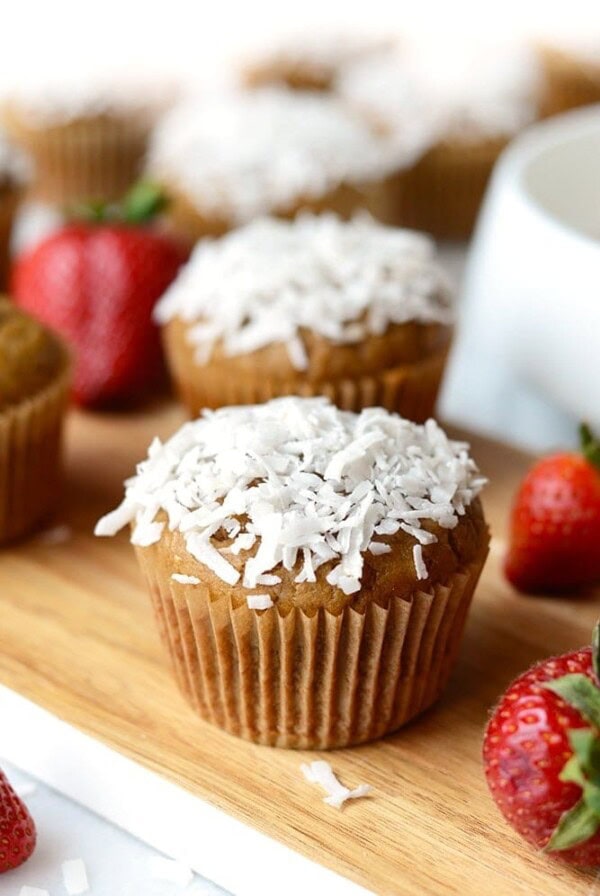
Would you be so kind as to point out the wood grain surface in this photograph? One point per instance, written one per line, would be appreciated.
(77, 637)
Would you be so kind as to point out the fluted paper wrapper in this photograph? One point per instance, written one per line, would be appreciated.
(310, 682)
(9, 200)
(442, 193)
(95, 157)
(568, 82)
(30, 458)
(410, 390)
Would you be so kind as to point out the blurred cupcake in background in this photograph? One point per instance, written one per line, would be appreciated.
(86, 133)
(308, 61)
(34, 386)
(235, 157)
(353, 310)
(462, 106)
(12, 177)
(571, 67)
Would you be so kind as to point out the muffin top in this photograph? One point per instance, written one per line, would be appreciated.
(439, 91)
(271, 280)
(67, 92)
(310, 60)
(241, 155)
(30, 357)
(297, 493)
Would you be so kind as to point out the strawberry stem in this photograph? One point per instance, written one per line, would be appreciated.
(143, 202)
(590, 445)
(139, 206)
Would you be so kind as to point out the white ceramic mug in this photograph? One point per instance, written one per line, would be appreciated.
(526, 365)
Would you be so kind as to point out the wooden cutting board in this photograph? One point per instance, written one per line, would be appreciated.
(78, 639)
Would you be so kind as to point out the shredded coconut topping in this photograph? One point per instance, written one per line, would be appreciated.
(321, 773)
(243, 155)
(323, 51)
(271, 279)
(69, 90)
(305, 482)
(430, 90)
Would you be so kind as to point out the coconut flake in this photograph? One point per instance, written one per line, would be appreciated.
(420, 567)
(271, 280)
(162, 868)
(75, 877)
(185, 580)
(321, 773)
(116, 520)
(379, 547)
(259, 601)
(306, 484)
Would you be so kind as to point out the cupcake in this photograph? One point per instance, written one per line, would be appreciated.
(34, 377)
(227, 160)
(354, 310)
(458, 110)
(10, 194)
(308, 61)
(87, 136)
(571, 71)
(310, 569)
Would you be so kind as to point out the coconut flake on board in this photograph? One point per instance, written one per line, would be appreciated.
(185, 580)
(321, 773)
(75, 877)
(307, 483)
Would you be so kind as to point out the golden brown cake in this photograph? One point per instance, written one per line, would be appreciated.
(229, 160)
(34, 378)
(454, 112)
(571, 77)
(353, 310)
(310, 569)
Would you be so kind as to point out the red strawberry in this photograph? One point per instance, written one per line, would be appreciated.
(541, 754)
(97, 283)
(17, 830)
(555, 523)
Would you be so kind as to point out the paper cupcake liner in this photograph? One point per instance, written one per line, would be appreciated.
(568, 83)
(91, 158)
(30, 458)
(378, 197)
(442, 193)
(9, 200)
(410, 390)
(310, 681)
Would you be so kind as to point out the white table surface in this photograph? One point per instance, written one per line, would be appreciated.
(117, 864)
